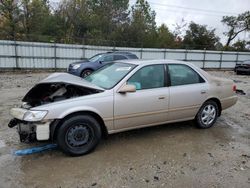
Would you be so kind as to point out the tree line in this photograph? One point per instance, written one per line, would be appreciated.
(111, 22)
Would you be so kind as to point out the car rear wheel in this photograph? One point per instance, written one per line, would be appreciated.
(207, 115)
(79, 135)
(86, 72)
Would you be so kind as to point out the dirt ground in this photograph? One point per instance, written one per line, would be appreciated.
(173, 155)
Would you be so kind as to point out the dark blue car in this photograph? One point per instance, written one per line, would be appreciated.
(86, 67)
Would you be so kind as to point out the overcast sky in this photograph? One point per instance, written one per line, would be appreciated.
(206, 12)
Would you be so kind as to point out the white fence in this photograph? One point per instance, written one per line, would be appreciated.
(35, 55)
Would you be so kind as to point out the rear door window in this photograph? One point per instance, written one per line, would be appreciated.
(119, 57)
(108, 58)
(183, 75)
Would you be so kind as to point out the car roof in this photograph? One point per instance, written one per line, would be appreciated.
(116, 52)
(151, 61)
(120, 52)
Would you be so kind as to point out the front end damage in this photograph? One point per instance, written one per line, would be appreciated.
(31, 131)
(31, 124)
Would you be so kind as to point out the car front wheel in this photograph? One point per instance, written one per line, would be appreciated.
(207, 115)
(238, 72)
(79, 135)
(86, 72)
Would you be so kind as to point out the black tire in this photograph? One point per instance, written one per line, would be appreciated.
(238, 72)
(79, 135)
(201, 121)
(86, 72)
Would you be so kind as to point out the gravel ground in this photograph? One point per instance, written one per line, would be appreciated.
(173, 155)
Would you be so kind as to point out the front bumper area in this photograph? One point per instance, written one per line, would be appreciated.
(31, 131)
(76, 72)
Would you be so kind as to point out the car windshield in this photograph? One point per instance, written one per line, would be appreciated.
(95, 57)
(109, 75)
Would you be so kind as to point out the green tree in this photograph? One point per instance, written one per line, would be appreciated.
(94, 20)
(165, 38)
(236, 25)
(36, 15)
(143, 26)
(199, 37)
(241, 45)
(219, 46)
(9, 18)
(109, 18)
(73, 17)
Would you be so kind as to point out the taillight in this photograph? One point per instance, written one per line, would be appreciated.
(234, 88)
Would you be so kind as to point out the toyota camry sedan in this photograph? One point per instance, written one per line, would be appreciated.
(75, 112)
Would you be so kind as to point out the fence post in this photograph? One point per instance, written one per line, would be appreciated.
(16, 54)
(165, 53)
(220, 59)
(237, 58)
(83, 49)
(186, 53)
(83, 52)
(204, 58)
(55, 57)
(114, 46)
(141, 53)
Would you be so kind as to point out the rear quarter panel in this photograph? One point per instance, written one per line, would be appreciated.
(222, 89)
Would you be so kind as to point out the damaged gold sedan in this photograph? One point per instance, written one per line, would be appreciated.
(75, 113)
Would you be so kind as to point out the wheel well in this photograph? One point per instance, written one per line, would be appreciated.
(56, 124)
(217, 102)
(87, 69)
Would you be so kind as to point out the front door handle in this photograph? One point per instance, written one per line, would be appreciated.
(203, 91)
(162, 97)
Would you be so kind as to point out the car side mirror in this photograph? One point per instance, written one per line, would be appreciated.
(127, 88)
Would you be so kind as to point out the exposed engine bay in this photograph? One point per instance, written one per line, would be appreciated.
(45, 93)
(56, 87)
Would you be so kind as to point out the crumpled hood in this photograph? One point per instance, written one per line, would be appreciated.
(71, 79)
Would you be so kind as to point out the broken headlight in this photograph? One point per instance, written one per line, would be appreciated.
(33, 115)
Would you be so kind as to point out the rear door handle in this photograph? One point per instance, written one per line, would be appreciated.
(161, 97)
(203, 91)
